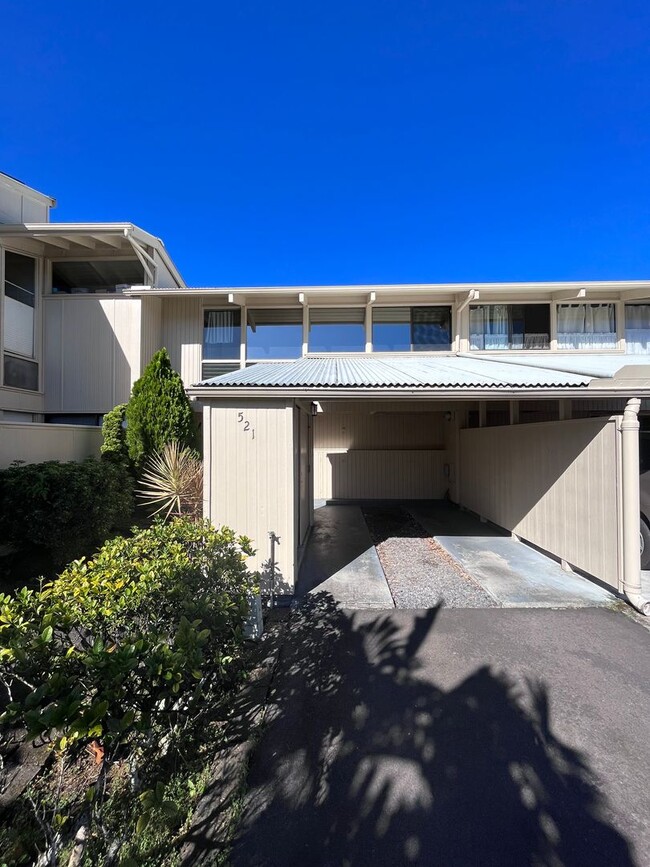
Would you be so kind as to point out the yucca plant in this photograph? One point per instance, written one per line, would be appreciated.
(172, 480)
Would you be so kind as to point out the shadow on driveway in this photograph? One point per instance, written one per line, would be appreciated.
(368, 759)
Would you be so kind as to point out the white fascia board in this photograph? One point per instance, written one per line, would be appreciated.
(207, 392)
(25, 190)
(485, 289)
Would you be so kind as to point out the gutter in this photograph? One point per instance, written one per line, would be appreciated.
(631, 509)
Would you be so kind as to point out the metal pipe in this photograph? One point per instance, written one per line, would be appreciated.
(631, 508)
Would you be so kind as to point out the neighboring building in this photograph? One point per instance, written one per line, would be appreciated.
(506, 398)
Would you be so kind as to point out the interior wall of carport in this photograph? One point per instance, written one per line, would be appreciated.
(554, 484)
(252, 464)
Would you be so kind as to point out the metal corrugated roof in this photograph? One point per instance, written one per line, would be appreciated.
(594, 366)
(372, 372)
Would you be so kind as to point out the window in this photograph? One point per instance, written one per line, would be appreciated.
(95, 275)
(221, 334)
(586, 326)
(510, 326)
(431, 328)
(637, 328)
(20, 373)
(332, 330)
(274, 334)
(401, 329)
(20, 299)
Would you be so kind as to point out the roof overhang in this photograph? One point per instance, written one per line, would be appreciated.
(359, 294)
(82, 239)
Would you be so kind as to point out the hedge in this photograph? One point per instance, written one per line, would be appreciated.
(125, 648)
(68, 509)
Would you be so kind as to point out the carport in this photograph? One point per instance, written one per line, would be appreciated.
(546, 450)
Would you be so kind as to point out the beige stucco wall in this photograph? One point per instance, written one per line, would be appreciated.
(33, 443)
(383, 454)
(250, 480)
(92, 351)
(554, 484)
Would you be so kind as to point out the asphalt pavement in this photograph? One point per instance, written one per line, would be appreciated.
(453, 737)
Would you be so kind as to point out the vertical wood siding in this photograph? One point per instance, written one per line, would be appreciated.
(252, 479)
(182, 334)
(554, 484)
(92, 352)
(151, 329)
(379, 455)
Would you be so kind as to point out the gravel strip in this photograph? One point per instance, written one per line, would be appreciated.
(419, 572)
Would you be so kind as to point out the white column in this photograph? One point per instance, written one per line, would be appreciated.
(631, 507)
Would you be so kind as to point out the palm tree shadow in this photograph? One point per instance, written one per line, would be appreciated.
(363, 761)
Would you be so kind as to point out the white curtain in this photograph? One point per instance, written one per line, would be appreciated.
(586, 326)
(488, 327)
(220, 327)
(637, 329)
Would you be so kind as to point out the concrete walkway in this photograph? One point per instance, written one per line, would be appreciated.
(456, 737)
(342, 560)
(513, 573)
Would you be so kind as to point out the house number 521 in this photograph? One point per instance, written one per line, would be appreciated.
(246, 424)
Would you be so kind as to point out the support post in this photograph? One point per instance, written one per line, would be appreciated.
(631, 507)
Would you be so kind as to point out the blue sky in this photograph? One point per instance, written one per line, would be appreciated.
(334, 142)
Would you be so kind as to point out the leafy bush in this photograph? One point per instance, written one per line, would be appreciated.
(114, 435)
(121, 663)
(172, 480)
(67, 508)
(125, 648)
(158, 411)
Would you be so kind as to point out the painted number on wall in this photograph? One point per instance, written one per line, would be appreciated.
(246, 425)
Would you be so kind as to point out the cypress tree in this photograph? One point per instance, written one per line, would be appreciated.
(158, 411)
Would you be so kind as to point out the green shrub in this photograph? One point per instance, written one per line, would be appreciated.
(68, 509)
(114, 434)
(127, 648)
(158, 411)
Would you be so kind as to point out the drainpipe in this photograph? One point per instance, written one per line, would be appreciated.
(631, 508)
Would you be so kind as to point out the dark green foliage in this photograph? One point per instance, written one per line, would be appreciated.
(114, 435)
(126, 657)
(68, 509)
(158, 411)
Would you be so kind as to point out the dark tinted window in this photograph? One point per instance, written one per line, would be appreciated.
(20, 373)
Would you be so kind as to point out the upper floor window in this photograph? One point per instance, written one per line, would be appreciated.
(586, 326)
(274, 334)
(510, 326)
(337, 330)
(401, 329)
(637, 328)
(221, 334)
(96, 275)
(20, 300)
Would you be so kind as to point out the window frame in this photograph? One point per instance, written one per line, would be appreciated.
(449, 306)
(36, 358)
(552, 319)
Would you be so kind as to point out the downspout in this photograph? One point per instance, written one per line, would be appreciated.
(631, 507)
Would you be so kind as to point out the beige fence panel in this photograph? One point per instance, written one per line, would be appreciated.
(554, 484)
(33, 443)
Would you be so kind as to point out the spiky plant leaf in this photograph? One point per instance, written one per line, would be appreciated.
(173, 481)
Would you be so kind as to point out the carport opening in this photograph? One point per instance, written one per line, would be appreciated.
(407, 467)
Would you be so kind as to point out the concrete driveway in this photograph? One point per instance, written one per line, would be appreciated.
(454, 737)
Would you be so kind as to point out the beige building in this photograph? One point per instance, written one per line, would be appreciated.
(519, 401)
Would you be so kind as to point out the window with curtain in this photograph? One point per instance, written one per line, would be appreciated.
(221, 334)
(637, 329)
(19, 304)
(509, 326)
(337, 330)
(274, 334)
(402, 329)
(586, 326)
